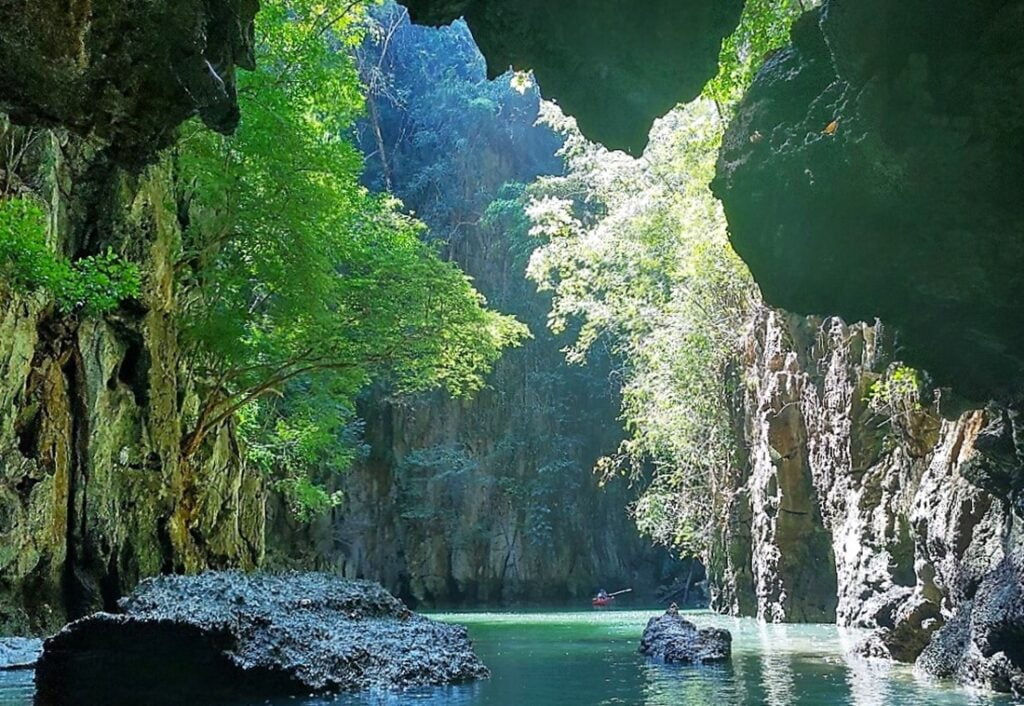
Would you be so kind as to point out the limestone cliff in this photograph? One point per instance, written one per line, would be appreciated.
(845, 513)
(94, 494)
(492, 499)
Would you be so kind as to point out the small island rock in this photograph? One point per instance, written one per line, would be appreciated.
(672, 638)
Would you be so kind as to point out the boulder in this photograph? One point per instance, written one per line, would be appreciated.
(983, 642)
(228, 635)
(673, 639)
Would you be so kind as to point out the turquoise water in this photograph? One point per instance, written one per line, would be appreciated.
(589, 658)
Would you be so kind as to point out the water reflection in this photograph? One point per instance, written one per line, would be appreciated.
(776, 665)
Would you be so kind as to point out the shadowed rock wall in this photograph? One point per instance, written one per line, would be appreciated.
(874, 169)
(123, 73)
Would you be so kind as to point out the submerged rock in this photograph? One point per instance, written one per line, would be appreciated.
(227, 635)
(19, 652)
(672, 638)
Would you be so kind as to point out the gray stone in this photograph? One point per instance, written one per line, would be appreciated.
(915, 622)
(673, 639)
(250, 636)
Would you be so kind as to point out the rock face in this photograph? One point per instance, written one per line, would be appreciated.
(122, 73)
(673, 639)
(912, 547)
(454, 507)
(983, 642)
(589, 56)
(179, 639)
(873, 169)
(94, 492)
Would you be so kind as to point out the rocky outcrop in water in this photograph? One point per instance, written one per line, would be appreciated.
(917, 551)
(673, 639)
(589, 56)
(873, 169)
(180, 639)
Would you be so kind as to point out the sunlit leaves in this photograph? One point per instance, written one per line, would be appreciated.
(636, 252)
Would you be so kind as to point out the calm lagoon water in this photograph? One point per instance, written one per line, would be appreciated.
(589, 658)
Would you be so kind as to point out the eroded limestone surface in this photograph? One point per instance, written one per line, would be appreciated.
(180, 638)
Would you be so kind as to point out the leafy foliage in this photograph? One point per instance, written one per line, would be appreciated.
(898, 397)
(456, 148)
(763, 29)
(91, 285)
(636, 253)
(305, 286)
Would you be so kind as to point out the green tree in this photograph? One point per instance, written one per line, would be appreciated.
(303, 287)
(91, 285)
(636, 253)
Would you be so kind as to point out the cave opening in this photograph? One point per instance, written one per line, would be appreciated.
(552, 315)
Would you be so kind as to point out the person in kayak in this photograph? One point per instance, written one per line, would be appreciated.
(602, 595)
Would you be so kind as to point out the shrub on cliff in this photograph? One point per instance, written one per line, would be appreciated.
(91, 284)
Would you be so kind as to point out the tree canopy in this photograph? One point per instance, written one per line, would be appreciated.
(304, 286)
(636, 253)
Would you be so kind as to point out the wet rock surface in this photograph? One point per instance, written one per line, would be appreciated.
(915, 622)
(983, 643)
(672, 638)
(227, 635)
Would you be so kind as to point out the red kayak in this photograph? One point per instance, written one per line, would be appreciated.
(603, 600)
